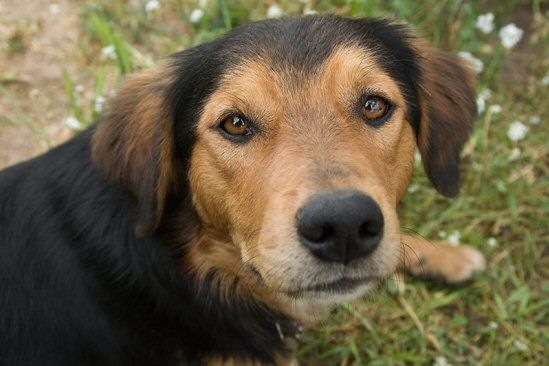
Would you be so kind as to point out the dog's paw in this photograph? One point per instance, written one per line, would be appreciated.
(441, 261)
(463, 264)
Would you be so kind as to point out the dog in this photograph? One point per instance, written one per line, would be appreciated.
(230, 195)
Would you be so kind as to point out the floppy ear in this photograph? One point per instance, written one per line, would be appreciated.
(448, 106)
(134, 144)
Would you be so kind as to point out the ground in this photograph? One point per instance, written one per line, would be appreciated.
(60, 58)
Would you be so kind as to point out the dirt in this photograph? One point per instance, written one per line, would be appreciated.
(38, 41)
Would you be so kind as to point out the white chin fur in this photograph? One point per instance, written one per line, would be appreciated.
(311, 305)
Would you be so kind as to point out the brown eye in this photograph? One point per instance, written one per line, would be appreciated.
(236, 128)
(375, 108)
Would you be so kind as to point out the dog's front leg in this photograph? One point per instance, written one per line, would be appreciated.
(436, 260)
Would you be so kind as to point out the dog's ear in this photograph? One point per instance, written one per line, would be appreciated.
(448, 107)
(134, 144)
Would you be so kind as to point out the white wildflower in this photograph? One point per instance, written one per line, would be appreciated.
(500, 186)
(274, 11)
(485, 22)
(485, 93)
(79, 89)
(535, 120)
(454, 238)
(72, 122)
(515, 154)
(152, 5)
(413, 188)
(34, 93)
(476, 64)
(510, 35)
(481, 104)
(196, 15)
(55, 9)
(493, 325)
(517, 131)
(108, 52)
(417, 157)
(481, 99)
(308, 11)
(520, 346)
(441, 361)
(99, 103)
(492, 242)
(545, 81)
(495, 108)
(442, 234)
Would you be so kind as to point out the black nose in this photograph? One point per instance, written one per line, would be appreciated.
(340, 226)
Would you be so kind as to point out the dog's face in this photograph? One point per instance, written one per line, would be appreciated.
(295, 140)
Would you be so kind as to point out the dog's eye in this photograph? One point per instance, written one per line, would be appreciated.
(236, 128)
(375, 108)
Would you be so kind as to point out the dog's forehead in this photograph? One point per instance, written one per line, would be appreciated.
(304, 43)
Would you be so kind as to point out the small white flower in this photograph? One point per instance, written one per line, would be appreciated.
(500, 186)
(442, 234)
(108, 53)
(72, 122)
(510, 35)
(517, 131)
(152, 5)
(417, 157)
(520, 346)
(485, 93)
(55, 9)
(99, 103)
(495, 109)
(79, 89)
(196, 15)
(34, 93)
(481, 105)
(545, 81)
(274, 11)
(441, 361)
(202, 3)
(485, 22)
(492, 242)
(413, 188)
(515, 154)
(493, 325)
(535, 120)
(476, 64)
(308, 11)
(481, 99)
(454, 238)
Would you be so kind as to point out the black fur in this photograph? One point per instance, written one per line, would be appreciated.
(79, 286)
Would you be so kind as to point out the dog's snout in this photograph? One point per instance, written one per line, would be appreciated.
(340, 226)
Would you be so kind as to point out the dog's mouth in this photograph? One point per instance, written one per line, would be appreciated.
(339, 286)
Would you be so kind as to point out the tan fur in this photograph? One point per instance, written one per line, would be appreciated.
(313, 140)
(134, 142)
(441, 261)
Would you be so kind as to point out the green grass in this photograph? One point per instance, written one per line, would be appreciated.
(501, 318)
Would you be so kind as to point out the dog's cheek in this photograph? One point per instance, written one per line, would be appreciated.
(209, 189)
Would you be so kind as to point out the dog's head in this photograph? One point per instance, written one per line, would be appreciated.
(293, 141)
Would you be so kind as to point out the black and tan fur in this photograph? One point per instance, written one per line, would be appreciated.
(152, 239)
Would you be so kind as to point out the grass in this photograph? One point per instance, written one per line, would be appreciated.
(501, 318)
